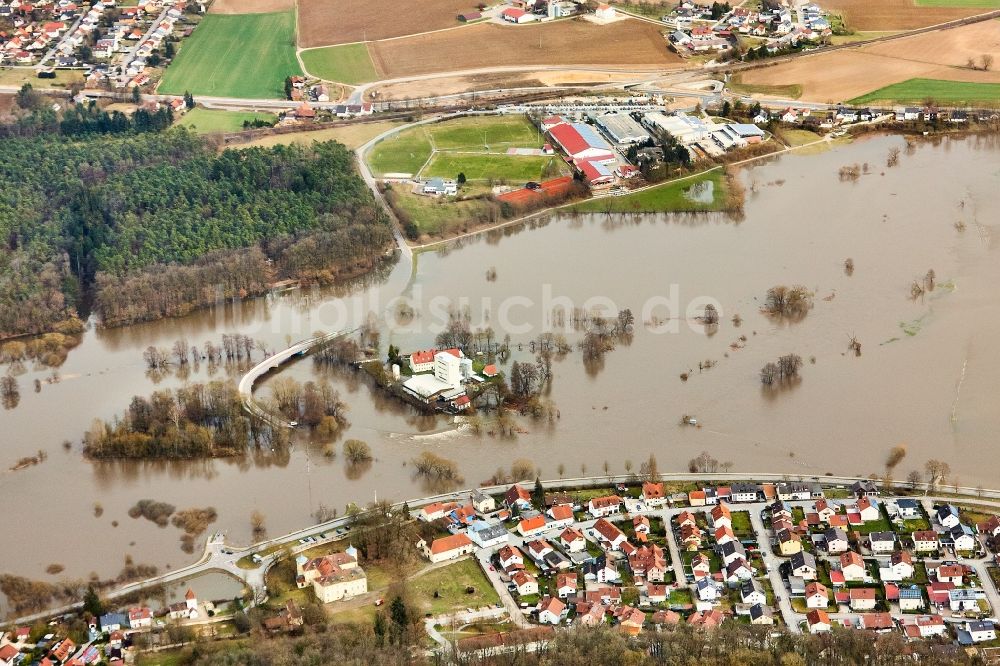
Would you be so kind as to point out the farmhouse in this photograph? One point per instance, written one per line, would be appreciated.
(516, 15)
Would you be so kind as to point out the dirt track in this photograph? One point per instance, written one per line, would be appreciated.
(250, 6)
(845, 74)
(323, 22)
(560, 43)
(894, 14)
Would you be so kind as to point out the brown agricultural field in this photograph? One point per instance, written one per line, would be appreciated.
(895, 14)
(250, 6)
(571, 42)
(446, 85)
(843, 75)
(323, 22)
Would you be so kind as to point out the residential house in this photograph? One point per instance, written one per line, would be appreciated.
(573, 540)
(761, 614)
(140, 618)
(482, 502)
(789, 543)
(731, 552)
(550, 610)
(990, 527)
(865, 488)
(696, 498)
(736, 572)
(605, 506)
(911, 598)
(113, 622)
(566, 585)
(900, 567)
(877, 622)
(525, 583)
(510, 558)
(649, 562)
(630, 620)
(835, 540)
(962, 599)
(962, 538)
(906, 508)
(927, 626)
(863, 598)
(601, 570)
(818, 621)
(691, 537)
(640, 525)
(517, 497)
(947, 515)
(724, 535)
(938, 592)
(882, 542)
(485, 535)
(609, 536)
(789, 492)
(706, 589)
(752, 593)
(980, 632)
(8, 655)
(529, 527)
(700, 565)
(744, 492)
(950, 573)
(593, 616)
(447, 548)
(653, 495)
(538, 549)
(722, 517)
(803, 565)
(867, 508)
(436, 511)
(824, 509)
(707, 619)
(925, 541)
(685, 518)
(656, 594)
(817, 595)
(852, 567)
(440, 187)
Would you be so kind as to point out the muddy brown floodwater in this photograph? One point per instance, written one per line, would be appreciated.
(926, 377)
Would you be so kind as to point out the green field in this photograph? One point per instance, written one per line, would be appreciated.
(450, 584)
(511, 168)
(405, 152)
(246, 55)
(434, 215)
(203, 121)
(349, 63)
(916, 91)
(670, 197)
(493, 134)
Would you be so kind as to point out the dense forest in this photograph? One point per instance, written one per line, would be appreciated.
(153, 224)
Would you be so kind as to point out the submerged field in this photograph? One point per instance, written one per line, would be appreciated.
(247, 55)
(706, 192)
(916, 91)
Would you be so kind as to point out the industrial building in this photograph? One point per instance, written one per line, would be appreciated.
(621, 128)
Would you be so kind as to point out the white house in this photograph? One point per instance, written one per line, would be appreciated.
(962, 537)
(911, 598)
(817, 595)
(573, 540)
(947, 515)
(550, 610)
(962, 599)
(608, 535)
(751, 593)
(863, 598)
(510, 558)
(485, 535)
(440, 187)
(867, 507)
(526, 583)
(604, 506)
(707, 591)
(925, 541)
(818, 621)
(803, 565)
(882, 542)
(482, 502)
(447, 548)
(560, 516)
(852, 566)
(981, 631)
(836, 540)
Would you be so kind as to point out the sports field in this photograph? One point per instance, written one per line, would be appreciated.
(204, 121)
(915, 91)
(475, 146)
(350, 63)
(246, 55)
(512, 169)
(405, 152)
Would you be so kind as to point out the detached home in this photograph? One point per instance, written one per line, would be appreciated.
(605, 506)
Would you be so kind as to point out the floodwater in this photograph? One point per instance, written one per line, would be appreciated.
(926, 376)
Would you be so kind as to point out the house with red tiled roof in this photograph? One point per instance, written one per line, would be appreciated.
(525, 582)
(721, 516)
(852, 566)
(818, 621)
(938, 592)
(516, 496)
(696, 498)
(685, 518)
(561, 515)
(604, 506)
(653, 494)
(511, 558)
(550, 610)
(691, 537)
(649, 562)
(863, 598)
(529, 527)
(706, 619)
(447, 548)
(608, 535)
(573, 540)
(566, 583)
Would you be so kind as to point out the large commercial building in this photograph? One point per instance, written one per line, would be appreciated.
(686, 129)
(581, 142)
(622, 128)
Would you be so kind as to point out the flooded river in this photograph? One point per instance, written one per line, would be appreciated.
(926, 376)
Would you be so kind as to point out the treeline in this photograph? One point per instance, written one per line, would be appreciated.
(198, 420)
(41, 119)
(159, 223)
(731, 643)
